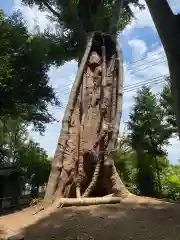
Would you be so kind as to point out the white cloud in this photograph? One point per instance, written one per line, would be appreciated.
(154, 65)
(33, 16)
(144, 19)
(138, 47)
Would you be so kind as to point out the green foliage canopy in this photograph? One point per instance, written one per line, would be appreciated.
(148, 136)
(75, 19)
(34, 162)
(24, 84)
(24, 153)
(166, 103)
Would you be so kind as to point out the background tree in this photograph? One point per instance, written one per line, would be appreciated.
(167, 25)
(148, 136)
(148, 109)
(35, 165)
(170, 182)
(166, 103)
(25, 97)
(126, 162)
(24, 84)
(12, 134)
(31, 160)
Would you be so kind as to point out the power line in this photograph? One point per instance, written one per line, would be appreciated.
(135, 86)
(138, 87)
(66, 91)
(145, 63)
(138, 70)
(144, 83)
(129, 86)
(143, 58)
(134, 63)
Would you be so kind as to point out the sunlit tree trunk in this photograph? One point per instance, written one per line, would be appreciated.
(82, 165)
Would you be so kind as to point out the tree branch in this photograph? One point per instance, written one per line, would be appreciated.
(71, 9)
(116, 14)
(51, 9)
(78, 27)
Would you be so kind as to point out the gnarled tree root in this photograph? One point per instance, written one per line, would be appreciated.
(86, 201)
(66, 202)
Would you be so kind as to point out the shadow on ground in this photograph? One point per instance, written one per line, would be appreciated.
(14, 209)
(1, 234)
(123, 221)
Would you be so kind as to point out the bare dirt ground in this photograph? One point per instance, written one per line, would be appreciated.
(136, 218)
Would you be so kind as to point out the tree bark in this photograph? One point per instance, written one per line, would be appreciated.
(58, 157)
(82, 165)
(167, 25)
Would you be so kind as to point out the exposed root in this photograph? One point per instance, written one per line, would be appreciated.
(87, 201)
(67, 191)
(41, 208)
(94, 180)
(78, 191)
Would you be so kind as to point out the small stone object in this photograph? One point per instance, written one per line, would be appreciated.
(16, 237)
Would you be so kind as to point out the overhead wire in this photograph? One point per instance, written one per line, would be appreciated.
(144, 62)
(145, 57)
(135, 86)
(154, 64)
(66, 91)
(132, 87)
(66, 88)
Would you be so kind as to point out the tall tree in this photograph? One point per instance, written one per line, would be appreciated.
(13, 135)
(17, 149)
(24, 84)
(167, 25)
(82, 165)
(34, 164)
(148, 137)
(166, 103)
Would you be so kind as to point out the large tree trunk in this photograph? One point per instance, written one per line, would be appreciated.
(168, 27)
(82, 166)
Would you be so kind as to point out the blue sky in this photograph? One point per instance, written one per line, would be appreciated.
(6, 5)
(144, 59)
